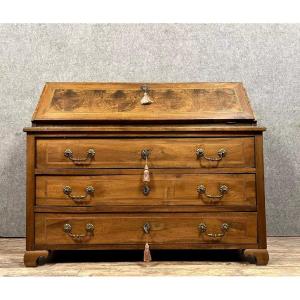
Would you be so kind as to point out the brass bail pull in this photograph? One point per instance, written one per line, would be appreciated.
(147, 253)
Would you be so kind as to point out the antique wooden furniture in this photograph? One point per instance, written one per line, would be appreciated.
(144, 166)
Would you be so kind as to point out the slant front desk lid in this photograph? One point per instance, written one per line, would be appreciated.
(117, 102)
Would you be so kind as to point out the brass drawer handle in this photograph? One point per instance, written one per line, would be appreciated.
(89, 228)
(89, 155)
(224, 228)
(89, 190)
(147, 228)
(201, 189)
(201, 154)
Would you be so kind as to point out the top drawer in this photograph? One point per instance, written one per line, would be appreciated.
(162, 153)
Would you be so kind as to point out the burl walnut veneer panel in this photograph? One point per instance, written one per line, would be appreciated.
(120, 101)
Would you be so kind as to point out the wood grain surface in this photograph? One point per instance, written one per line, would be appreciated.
(85, 170)
(166, 190)
(122, 101)
(127, 229)
(164, 153)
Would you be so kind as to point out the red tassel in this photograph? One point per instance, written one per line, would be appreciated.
(147, 254)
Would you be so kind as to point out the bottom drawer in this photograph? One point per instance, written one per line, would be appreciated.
(136, 229)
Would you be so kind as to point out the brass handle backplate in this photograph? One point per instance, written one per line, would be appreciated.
(146, 228)
(201, 154)
(224, 228)
(146, 189)
(89, 155)
(145, 153)
(201, 189)
(89, 228)
(89, 190)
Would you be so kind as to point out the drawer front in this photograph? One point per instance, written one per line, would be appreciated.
(159, 228)
(219, 190)
(164, 153)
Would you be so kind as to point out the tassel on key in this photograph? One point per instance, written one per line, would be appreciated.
(147, 253)
(146, 177)
(146, 99)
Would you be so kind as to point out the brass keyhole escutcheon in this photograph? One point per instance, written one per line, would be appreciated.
(146, 190)
(147, 228)
(145, 154)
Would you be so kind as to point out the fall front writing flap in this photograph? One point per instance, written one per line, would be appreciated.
(143, 102)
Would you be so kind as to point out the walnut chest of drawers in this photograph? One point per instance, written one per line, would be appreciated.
(144, 166)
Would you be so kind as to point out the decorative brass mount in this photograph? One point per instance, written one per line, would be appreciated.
(201, 154)
(90, 154)
(89, 228)
(224, 228)
(89, 190)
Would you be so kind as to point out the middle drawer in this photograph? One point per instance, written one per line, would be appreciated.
(229, 190)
